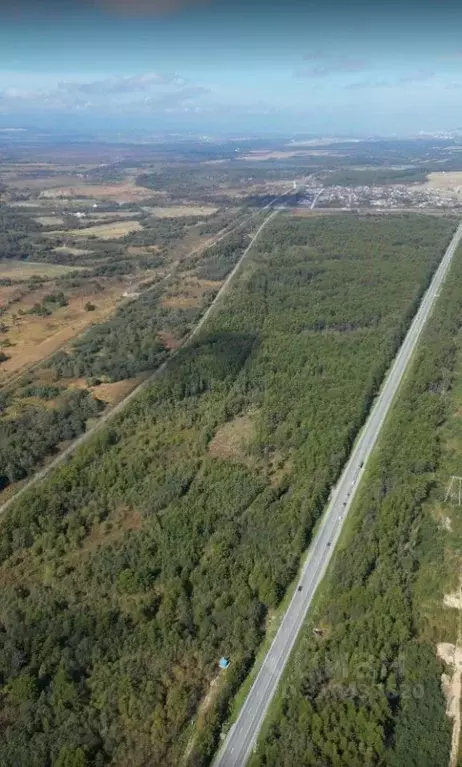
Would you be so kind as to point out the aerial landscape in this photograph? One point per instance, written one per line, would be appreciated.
(230, 384)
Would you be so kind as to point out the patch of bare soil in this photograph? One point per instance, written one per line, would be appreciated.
(204, 707)
(453, 600)
(451, 654)
(452, 687)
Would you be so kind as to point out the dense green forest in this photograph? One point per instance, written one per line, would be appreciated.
(132, 569)
(37, 432)
(368, 691)
(375, 176)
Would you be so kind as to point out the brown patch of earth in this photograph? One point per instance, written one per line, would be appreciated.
(169, 340)
(452, 688)
(203, 709)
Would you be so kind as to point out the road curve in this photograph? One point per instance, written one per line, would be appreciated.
(40, 475)
(242, 736)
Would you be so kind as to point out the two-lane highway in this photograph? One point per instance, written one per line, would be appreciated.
(242, 736)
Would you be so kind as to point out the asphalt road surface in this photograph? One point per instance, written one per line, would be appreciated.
(242, 736)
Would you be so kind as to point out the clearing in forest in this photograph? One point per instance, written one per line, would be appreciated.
(232, 440)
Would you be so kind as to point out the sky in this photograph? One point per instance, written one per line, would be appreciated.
(322, 67)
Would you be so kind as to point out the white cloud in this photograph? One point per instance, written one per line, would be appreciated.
(150, 91)
(324, 64)
(114, 85)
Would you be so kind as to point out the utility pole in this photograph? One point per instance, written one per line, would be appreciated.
(454, 490)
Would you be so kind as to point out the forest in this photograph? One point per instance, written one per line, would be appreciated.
(127, 344)
(135, 566)
(365, 689)
(37, 432)
(375, 176)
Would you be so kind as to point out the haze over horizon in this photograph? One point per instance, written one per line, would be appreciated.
(338, 67)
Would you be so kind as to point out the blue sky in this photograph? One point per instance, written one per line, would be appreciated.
(390, 66)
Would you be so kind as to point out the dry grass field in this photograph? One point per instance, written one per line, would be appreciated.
(125, 192)
(34, 338)
(112, 393)
(113, 231)
(68, 251)
(178, 211)
(449, 181)
(24, 270)
(49, 220)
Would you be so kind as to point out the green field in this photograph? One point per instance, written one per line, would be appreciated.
(167, 541)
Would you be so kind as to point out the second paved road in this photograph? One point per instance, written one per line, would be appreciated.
(242, 737)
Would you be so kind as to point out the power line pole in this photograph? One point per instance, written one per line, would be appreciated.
(454, 489)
